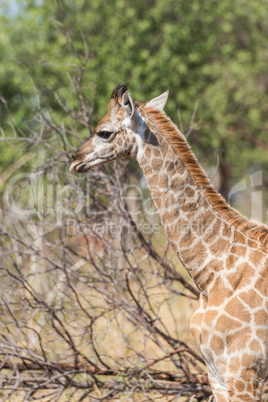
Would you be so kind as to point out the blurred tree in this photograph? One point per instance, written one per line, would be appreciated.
(211, 52)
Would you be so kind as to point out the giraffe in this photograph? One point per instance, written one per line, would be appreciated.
(225, 254)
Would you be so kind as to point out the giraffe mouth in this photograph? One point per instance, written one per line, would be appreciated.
(85, 166)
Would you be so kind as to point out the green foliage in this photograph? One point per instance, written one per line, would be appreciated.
(210, 51)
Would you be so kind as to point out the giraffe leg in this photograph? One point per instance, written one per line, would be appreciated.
(247, 387)
(218, 389)
(196, 321)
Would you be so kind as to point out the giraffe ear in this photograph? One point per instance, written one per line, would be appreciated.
(135, 122)
(128, 104)
(159, 102)
(129, 107)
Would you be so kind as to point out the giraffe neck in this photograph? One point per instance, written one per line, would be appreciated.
(200, 225)
(182, 207)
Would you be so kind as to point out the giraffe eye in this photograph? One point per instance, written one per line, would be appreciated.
(105, 134)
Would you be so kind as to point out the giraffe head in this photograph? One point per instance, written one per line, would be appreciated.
(122, 132)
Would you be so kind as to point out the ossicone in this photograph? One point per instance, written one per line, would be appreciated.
(119, 91)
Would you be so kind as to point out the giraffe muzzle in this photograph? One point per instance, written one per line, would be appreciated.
(85, 166)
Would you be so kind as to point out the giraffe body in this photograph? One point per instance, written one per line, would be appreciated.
(225, 254)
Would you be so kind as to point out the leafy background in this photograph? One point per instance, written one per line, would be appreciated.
(210, 52)
(60, 60)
